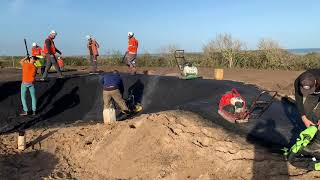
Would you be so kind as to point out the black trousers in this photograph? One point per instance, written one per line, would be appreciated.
(49, 62)
(312, 110)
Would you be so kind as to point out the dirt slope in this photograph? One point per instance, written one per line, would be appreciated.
(169, 145)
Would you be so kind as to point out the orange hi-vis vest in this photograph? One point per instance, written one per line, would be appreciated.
(28, 73)
(36, 51)
(132, 46)
(53, 48)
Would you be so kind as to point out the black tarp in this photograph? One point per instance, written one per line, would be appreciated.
(79, 98)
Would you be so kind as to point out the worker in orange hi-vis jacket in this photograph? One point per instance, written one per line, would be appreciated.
(93, 47)
(131, 53)
(38, 52)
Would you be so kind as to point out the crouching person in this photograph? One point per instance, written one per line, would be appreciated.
(113, 90)
(29, 71)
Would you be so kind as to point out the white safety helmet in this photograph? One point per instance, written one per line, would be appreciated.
(34, 44)
(88, 37)
(53, 32)
(130, 34)
(238, 104)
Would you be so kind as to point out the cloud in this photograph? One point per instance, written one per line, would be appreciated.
(16, 6)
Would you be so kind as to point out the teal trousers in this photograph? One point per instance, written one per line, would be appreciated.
(24, 89)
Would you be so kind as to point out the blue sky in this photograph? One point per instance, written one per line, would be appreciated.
(189, 24)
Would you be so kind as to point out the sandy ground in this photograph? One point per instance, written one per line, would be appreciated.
(168, 145)
(164, 145)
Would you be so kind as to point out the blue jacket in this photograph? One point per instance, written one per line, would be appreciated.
(112, 79)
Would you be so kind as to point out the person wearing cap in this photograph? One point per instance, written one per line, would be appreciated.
(28, 79)
(307, 96)
(131, 53)
(37, 51)
(93, 46)
(113, 89)
(50, 50)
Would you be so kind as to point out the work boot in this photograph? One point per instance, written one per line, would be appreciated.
(126, 112)
(34, 113)
(93, 72)
(24, 113)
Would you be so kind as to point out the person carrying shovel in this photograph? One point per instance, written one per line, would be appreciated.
(28, 79)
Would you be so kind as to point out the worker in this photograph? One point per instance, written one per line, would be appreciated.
(39, 63)
(307, 97)
(36, 50)
(131, 53)
(93, 46)
(50, 50)
(61, 63)
(113, 89)
(28, 79)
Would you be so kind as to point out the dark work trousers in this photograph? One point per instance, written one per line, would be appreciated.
(93, 61)
(312, 110)
(49, 62)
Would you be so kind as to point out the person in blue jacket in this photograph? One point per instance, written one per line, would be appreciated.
(113, 89)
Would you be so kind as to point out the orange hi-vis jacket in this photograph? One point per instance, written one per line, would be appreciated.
(53, 48)
(36, 51)
(133, 46)
(28, 72)
(93, 45)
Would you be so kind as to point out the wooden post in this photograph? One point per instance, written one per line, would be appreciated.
(218, 74)
(21, 141)
(13, 64)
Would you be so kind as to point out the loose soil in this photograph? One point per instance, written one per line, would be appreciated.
(164, 145)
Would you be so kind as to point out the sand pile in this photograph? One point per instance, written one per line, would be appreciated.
(169, 145)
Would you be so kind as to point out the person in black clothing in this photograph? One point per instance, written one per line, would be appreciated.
(307, 96)
(50, 50)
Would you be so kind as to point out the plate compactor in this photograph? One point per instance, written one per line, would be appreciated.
(233, 107)
(187, 69)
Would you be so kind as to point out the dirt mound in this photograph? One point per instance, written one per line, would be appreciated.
(169, 145)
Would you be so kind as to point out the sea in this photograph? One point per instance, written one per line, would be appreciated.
(304, 51)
